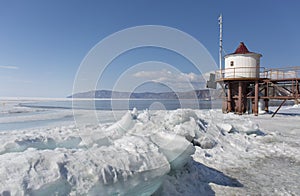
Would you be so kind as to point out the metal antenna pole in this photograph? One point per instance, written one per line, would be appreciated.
(221, 45)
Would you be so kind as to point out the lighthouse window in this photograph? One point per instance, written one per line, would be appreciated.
(231, 63)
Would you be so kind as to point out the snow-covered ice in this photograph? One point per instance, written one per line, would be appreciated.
(180, 152)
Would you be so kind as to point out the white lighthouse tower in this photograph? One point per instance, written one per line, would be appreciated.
(242, 63)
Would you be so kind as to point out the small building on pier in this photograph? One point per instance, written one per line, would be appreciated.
(246, 84)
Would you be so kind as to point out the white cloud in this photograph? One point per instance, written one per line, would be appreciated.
(8, 67)
(182, 81)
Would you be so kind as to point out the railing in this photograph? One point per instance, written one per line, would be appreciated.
(240, 72)
(258, 72)
(283, 73)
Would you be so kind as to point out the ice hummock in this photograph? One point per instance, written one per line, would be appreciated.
(151, 152)
(130, 157)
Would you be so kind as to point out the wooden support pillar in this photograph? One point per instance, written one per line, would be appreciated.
(255, 109)
(229, 109)
(224, 105)
(240, 111)
(297, 87)
(266, 100)
(267, 105)
(297, 92)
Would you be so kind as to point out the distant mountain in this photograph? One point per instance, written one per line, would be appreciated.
(201, 94)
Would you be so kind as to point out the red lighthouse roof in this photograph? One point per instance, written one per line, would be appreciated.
(242, 49)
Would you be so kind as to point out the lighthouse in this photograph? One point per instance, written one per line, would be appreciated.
(245, 83)
(240, 78)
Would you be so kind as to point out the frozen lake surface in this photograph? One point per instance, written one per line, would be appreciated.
(41, 113)
(161, 152)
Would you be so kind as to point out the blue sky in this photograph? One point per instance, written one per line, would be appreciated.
(42, 43)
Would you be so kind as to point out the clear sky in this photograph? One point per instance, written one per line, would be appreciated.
(42, 42)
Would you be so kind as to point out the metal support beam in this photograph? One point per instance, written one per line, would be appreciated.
(266, 100)
(255, 109)
(297, 92)
(278, 108)
(220, 44)
(229, 109)
(267, 105)
(240, 98)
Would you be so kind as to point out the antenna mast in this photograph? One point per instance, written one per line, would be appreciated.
(221, 45)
